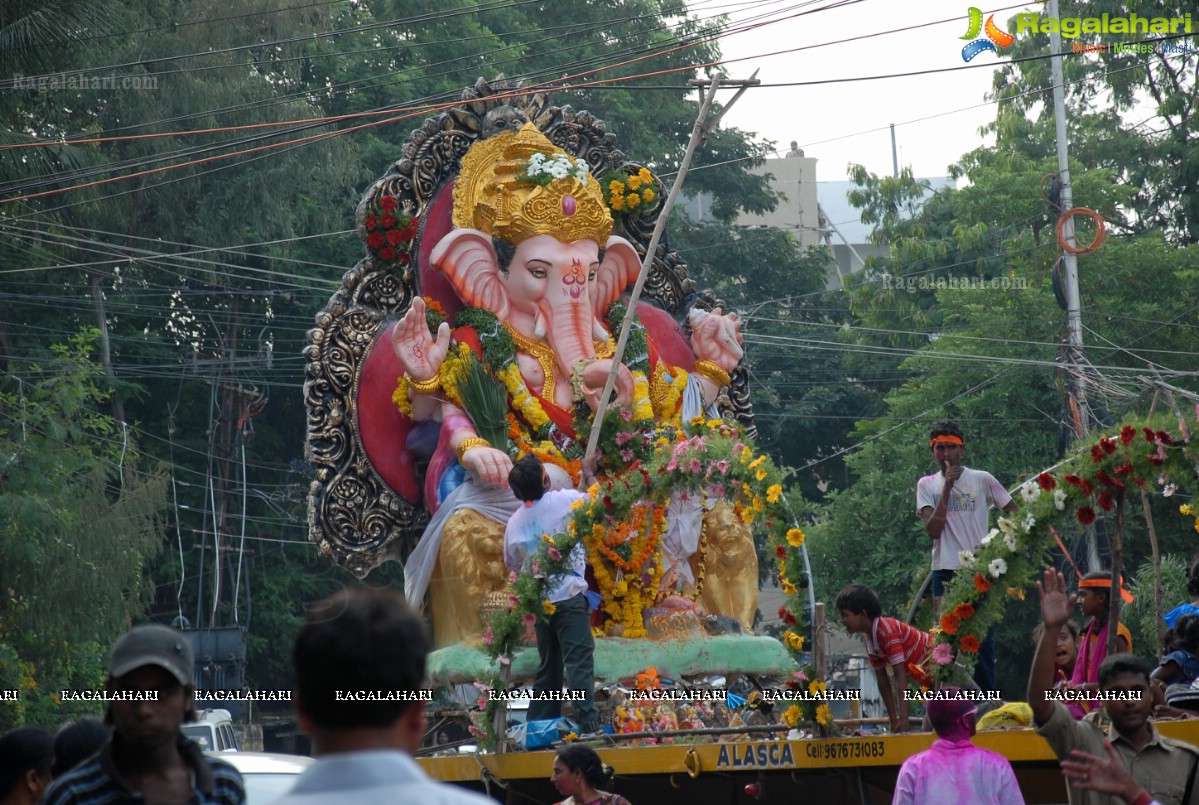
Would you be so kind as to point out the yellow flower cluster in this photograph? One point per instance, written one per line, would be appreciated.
(401, 398)
(794, 640)
(643, 410)
(824, 716)
(523, 400)
(454, 370)
(632, 200)
(795, 537)
(793, 716)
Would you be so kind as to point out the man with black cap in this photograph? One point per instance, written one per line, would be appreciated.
(147, 759)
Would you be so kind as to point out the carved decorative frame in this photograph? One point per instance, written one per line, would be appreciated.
(354, 516)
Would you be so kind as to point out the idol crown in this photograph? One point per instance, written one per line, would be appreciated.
(518, 184)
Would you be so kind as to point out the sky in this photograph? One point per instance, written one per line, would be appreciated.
(849, 122)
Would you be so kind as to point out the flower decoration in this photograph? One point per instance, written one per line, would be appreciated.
(824, 716)
(541, 169)
(390, 232)
(795, 537)
(1096, 478)
(628, 193)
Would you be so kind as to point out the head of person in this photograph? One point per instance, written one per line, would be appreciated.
(952, 719)
(528, 479)
(946, 442)
(576, 764)
(794, 145)
(1094, 593)
(26, 756)
(360, 640)
(155, 665)
(859, 607)
(1067, 644)
(1186, 633)
(1127, 675)
(76, 741)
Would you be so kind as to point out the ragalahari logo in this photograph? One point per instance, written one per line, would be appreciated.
(995, 35)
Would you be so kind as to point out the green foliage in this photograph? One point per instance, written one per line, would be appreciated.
(1141, 615)
(82, 525)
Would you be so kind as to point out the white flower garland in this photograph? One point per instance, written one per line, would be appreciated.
(559, 166)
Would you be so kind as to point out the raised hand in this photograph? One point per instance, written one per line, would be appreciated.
(1056, 605)
(420, 355)
(716, 337)
(1107, 775)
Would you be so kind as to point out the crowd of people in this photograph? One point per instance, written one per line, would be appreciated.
(371, 640)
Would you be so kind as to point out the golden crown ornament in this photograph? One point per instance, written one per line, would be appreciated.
(518, 184)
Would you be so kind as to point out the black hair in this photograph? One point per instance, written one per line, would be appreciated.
(76, 741)
(1186, 633)
(358, 639)
(860, 598)
(527, 478)
(1117, 664)
(1071, 624)
(1193, 579)
(578, 757)
(23, 750)
(946, 427)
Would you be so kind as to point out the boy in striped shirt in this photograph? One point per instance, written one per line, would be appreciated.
(889, 642)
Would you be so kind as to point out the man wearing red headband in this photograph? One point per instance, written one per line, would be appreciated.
(954, 505)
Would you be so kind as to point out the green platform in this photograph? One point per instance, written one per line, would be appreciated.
(616, 658)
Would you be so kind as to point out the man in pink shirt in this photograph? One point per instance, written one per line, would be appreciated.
(953, 771)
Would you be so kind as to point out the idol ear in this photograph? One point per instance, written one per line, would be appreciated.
(617, 272)
(469, 261)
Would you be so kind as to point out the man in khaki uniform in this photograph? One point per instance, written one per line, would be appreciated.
(1164, 769)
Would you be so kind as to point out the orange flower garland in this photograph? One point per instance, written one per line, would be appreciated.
(970, 644)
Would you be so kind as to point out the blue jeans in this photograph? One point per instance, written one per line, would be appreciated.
(984, 669)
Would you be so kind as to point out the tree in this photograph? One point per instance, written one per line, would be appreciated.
(82, 524)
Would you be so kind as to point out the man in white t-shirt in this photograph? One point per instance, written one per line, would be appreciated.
(564, 639)
(954, 505)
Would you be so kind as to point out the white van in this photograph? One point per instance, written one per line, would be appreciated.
(213, 731)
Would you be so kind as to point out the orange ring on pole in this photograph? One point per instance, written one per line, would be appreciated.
(1100, 230)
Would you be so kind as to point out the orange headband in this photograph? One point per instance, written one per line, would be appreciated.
(945, 440)
(1106, 584)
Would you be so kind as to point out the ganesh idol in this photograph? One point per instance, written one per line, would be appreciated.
(539, 279)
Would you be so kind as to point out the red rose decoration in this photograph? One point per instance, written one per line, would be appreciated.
(780, 552)
(387, 253)
(970, 644)
(1073, 480)
(1124, 469)
(980, 583)
(388, 221)
(404, 258)
(394, 237)
(1127, 434)
(1097, 454)
(375, 240)
(1164, 438)
(1108, 445)
(1086, 515)
(372, 221)
(388, 203)
(1106, 501)
(1046, 482)
(964, 611)
(1149, 437)
(1086, 488)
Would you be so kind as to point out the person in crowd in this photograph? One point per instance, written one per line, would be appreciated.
(1094, 591)
(355, 643)
(890, 643)
(954, 503)
(76, 741)
(147, 758)
(1106, 775)
(1180, 666)
(26, 756)
(565, 637)
(579, 774)
(1067, 649)
(954, 771)
(1163, 767)
(1186, 608)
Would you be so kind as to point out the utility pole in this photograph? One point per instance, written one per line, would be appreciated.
(894, 154)
(1074, 355)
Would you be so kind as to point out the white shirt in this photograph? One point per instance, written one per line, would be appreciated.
(372, 778)
(525, 529)
(965, 515)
